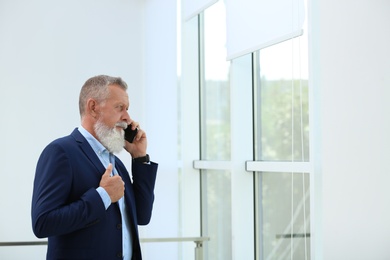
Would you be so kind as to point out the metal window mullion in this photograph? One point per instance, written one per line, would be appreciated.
(261, 166)
(202, 127)
(255, 166)
(257, 178)
(211, 165)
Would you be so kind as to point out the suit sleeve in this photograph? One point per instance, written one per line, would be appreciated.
(53, 211)
(144, 178)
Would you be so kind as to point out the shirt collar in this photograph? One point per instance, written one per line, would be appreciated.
(99, 149)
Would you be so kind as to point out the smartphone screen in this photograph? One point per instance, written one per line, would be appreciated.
(130, 134)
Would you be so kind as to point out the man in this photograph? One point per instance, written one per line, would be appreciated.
(84, 200)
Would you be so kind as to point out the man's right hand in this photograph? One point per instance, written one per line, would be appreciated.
(114, 185)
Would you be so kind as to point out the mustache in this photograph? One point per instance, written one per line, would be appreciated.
(121, 124)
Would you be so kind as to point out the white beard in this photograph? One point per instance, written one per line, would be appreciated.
(111, 138)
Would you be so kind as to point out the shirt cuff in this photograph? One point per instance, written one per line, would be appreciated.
(105, 197)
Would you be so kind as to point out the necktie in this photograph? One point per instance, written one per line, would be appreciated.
(112, 161)
(126, 236)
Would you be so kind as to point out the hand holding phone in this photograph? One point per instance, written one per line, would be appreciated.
(130, 133)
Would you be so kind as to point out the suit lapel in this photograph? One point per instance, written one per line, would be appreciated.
(88, 151)
(129, 192)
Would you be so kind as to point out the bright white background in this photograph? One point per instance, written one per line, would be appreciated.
(48, 50)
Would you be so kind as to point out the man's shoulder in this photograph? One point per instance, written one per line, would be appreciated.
(68, 140)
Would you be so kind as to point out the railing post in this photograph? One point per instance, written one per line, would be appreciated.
(198, 250)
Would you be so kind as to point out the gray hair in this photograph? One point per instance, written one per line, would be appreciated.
(97, 88)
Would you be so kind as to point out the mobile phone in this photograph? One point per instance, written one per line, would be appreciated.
(130, 133)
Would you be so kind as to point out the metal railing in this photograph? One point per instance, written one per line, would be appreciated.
(197, 240)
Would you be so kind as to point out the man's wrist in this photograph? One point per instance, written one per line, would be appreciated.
(142, 159)
(104, 195)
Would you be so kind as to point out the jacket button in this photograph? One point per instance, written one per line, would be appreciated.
(119, 226)
(119, 255)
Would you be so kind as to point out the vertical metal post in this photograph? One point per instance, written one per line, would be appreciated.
(198, 250)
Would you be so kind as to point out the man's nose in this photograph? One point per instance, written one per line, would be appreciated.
(126, 117)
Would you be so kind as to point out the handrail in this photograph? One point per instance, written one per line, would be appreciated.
(142, 240)
(197, 240)
(175, 239)
(24, 243)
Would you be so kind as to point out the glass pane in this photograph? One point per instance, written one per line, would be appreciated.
(215, 135)
(282, 134)
(216, 214)
(215, 91)
(282, 101)
(284, 219)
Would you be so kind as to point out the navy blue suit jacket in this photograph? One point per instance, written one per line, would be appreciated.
(68, 210)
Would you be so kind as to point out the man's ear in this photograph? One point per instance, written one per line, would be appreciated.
(92, 107)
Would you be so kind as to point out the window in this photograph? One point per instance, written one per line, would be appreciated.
(254, 146)
(282, 135)
(215, 134)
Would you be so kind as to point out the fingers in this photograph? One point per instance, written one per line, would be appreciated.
(114, 186)
(138, 146)
(134, 125)
(140, 133)
(108, 171)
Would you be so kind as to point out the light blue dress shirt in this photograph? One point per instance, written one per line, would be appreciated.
(105, 157)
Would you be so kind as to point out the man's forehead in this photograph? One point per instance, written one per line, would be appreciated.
(116, 90)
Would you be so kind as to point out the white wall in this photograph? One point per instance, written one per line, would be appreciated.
(160, 92)
(350, 59)
(47, 51)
